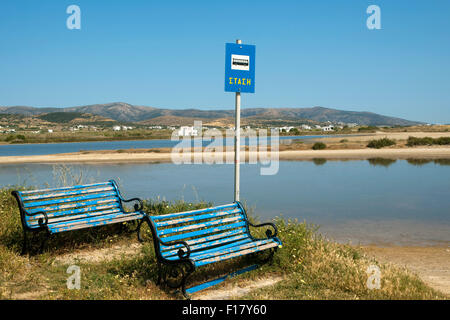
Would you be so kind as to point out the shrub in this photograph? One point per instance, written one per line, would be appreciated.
(319, 146)
(367, 129)
(442, 140)
(15, 138)
(414, 141)
(10, 137)
(427, 141)
(380, 143)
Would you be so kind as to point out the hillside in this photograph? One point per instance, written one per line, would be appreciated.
(30, 121)
(125, 112)
(73, 117)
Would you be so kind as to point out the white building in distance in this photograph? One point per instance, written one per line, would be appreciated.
(328, 128)
(186, 131)
(287, 129)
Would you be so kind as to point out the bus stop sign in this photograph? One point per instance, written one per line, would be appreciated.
(239, 68)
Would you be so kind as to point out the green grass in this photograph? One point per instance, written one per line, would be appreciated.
(311, 267)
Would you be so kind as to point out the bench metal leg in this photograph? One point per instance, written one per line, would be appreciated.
(138, 231)
(25, 243)
(183, 281)
(175, 275)
(266, 255)
(44, 242)
(158, 281)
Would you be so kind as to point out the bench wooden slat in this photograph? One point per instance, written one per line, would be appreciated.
(75, 205)
(192, 212)
(216, 236)
(203, 232)
(201, 225)
(79, 216)
(240, 246)
(64, 188)
(206, 245)
(88, 220)
(223, 245)
(236, 254)
(78, 211)
(117, 219)
(67, 193)
(69, 199)
(193, 218)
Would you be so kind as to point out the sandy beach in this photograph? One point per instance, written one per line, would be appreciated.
(127, 157)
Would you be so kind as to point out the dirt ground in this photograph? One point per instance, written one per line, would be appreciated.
(431, 264)
(228, 291)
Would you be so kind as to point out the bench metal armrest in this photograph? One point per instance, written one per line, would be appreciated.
(41, 222)
(181, 253)
(137, 206)
(268, 231)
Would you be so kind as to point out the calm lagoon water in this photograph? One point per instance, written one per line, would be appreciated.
(382, 202)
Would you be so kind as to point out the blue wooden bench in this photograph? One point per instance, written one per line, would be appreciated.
(72, 208)
(185, 241)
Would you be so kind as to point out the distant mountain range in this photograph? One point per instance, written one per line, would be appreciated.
(124, 112)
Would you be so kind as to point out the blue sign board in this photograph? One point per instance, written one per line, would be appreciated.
(239, 68)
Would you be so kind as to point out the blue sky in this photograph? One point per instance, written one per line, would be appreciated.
(171, 54)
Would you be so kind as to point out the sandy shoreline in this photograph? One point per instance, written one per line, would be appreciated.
(431, 264)
(345, 154)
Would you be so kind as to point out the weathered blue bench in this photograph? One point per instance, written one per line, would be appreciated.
(186, 240)
(72, 208)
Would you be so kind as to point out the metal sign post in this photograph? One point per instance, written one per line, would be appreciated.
(239, 77)
(237, 145)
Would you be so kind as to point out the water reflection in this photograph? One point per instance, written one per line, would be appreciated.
(418, 162)
(319, 161)
(421, 162)
(442, 162)
(381, 162)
